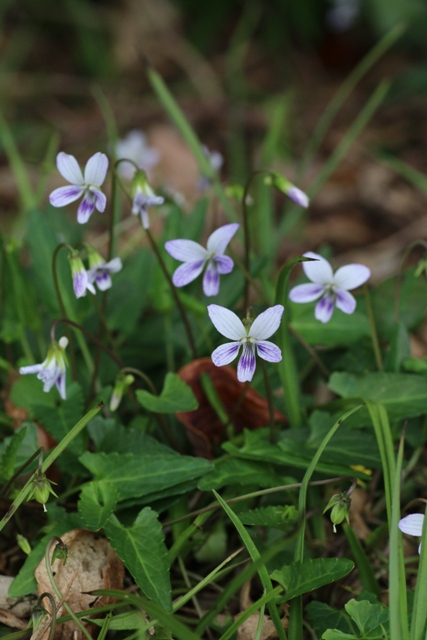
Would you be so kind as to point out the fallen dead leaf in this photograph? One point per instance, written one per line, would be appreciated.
(91, 564)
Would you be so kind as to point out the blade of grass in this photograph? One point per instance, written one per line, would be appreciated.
(364, 568)
(397, 589)
(18, 167)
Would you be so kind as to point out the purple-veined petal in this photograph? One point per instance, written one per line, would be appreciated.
(96, 169)
(32, 368)
(103, 280)
(225, 353)
(320, 271)
(224, 263)
(64, 195)
(351, 276)
(306, 292)
(69, 168)
(226, 322)
(325, 308)
(345, 301)
(412, 524)
(266, 323)
(268, 351)
(219, 239)
(80, 283)
(100, 198)
(298, 196)
(247, 363)
(211, 279)
(60, 385)
(187, 272)
(86, 208)
(185, 250)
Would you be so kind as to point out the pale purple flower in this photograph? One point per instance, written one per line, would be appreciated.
(412, 525)
(52, 370)
(81, 282)
(298, 196)
(252, 335)
(331, 288)
(134, 147)
(100, 273)
(87, 185)
(196, 258)
(143, 198)
(216, 161)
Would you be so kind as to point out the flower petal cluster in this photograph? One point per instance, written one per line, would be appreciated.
(251, 338)
(52, 370)
(196, 258)
(143, 197)
(81, 282)
(275, 179)
(332, 288)
(100, 271)
(87, 185)
(134, 147)
(412, 525)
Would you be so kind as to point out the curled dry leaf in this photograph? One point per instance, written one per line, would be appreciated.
(247, 630)
(91, 564)
(205, 429)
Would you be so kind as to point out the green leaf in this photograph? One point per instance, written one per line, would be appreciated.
(96, 504)
(8, 459)
(341, 330)
(323, 617)
(232, 471)
(404, 395)
(301, 577)
(176, 396)
(27, 447)
(59, 420)
(124, 621)
(142, 475)
(142, 549)
(334, 634)
(368, 617)
(283, 518)
(27, 392)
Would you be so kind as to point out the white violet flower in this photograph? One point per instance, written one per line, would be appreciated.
(100, 271)
(252, 335)
(196, 258)
(143, 197)
(134, 147)
(412, 525)
(81, 282)
(52, 370)
(87, 186)
(332, 288)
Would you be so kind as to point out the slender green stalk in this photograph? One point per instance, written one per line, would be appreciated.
(397, 589)
(48, 565)
(295, 618)
(384, 439)
(62, 305)
(89, 335)
(374, 335)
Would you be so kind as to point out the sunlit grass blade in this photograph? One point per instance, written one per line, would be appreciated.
(255, 555)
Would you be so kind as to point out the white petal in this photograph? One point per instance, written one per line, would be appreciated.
(345, 301)
(268, 351)
(226, 322)
(114, 265)
(266, 323)
(325, 308)
(100, 199)
(185, 250)
(96, 169)
(65, 195)
(32, 368)
(225, 353)
(319, 271)
(60, 385)
(306, 292)
(219, 239)
(351, 276)
(187, 272)
(69, 168)
(412, 524)
(247, 363)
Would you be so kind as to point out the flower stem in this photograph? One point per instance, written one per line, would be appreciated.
(374, 334)
(62, 305)
(89, 335)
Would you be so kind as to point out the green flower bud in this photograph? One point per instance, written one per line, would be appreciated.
(340, 507)
(421, 268)
(123, 382)
(23, 544)
(279, 182)
(41, 489)
(60, 552)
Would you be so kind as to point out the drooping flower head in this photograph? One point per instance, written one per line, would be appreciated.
(412, 525)
(251, 336)
(275, 179)
(100, 271)
(143, 197)
(87, 185)
(134, 147)
(81, 282)
(216, 161)
(52, 370)
(332, 288)
(123, 382)
(196, 258)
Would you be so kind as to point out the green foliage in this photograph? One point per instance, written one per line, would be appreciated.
(143, 551)
(283, 518)
(302, 577)
(175, 396)
(96, 504)
(370, 619)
